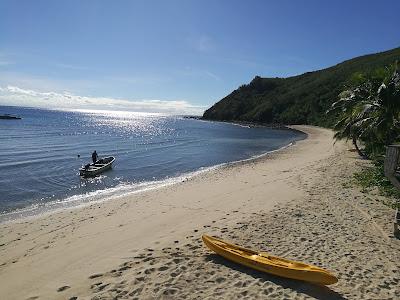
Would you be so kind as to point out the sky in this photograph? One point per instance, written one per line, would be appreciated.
(175, 56)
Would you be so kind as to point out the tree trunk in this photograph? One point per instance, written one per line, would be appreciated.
(362, 154)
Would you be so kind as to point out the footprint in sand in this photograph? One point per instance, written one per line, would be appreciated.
(94, 285)
(149, 271)
(101, 287)
(63, 288)
(177, 260)
(124, 268)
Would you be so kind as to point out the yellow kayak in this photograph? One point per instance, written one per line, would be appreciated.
(268, 263)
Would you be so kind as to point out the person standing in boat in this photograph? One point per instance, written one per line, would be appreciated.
(94, 156)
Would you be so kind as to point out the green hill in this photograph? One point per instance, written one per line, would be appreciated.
(301, 99)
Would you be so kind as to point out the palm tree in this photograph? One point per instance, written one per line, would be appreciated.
(385, 110)
(350, 108)
(370, 112)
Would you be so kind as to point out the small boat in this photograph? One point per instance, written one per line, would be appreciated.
(96, 168)
(268, 263)
(9, 117)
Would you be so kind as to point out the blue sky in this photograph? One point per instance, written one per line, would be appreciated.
(191, 53)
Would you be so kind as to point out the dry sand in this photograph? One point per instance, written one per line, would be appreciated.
(294, 203)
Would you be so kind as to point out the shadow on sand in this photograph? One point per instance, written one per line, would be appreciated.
(313, 290)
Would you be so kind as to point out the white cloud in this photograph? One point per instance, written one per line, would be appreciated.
(42, 83)
(142, 79)
(204, 44)
(12, 95)
(188, 71)
(212, 75)
(69, 66)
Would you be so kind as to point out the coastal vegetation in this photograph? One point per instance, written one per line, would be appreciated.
(358, 98)
(369, 114)
(372, 178)
(369, 111)
(301, 99)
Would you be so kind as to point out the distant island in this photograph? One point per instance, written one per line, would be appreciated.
(301, 99)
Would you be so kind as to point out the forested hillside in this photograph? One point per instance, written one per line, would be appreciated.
(301, 99)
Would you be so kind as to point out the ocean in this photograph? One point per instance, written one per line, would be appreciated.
(40, 155)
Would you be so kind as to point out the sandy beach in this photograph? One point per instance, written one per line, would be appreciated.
(296, 203)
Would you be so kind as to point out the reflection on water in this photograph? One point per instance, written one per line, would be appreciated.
(40, 155)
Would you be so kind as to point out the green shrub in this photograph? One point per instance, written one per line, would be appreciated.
(373, 177)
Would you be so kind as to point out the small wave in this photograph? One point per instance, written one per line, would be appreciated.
(121, 190)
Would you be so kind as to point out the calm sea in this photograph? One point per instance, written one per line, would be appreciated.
(40, 155)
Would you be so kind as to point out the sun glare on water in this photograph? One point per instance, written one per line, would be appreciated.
(136, 123)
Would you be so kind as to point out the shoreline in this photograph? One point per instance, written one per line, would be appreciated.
(291, 203)
(38, 210)
(250, 124)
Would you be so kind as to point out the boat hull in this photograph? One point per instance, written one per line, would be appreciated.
(97, 168)
(9, 117)
(270, 264)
